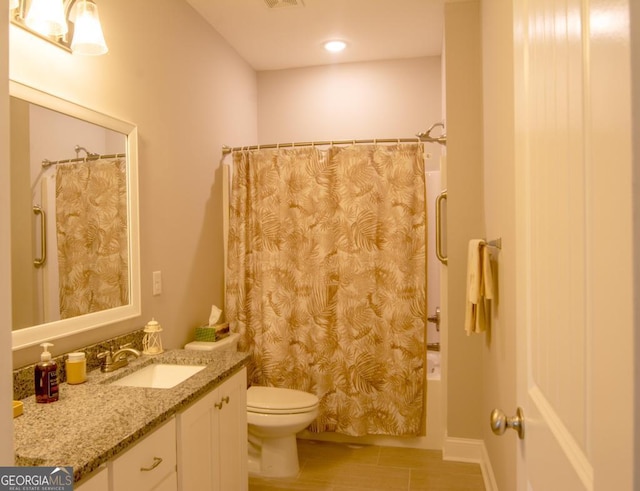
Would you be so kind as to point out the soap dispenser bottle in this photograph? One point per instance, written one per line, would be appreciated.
(46, 377)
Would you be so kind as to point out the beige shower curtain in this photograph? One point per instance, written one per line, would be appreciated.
(91, 224)
(327, 280)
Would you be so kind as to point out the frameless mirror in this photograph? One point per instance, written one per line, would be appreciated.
(74, 218)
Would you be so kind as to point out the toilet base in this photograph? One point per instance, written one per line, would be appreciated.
(273, 457)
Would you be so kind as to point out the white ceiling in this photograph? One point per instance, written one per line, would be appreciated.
(292, 36)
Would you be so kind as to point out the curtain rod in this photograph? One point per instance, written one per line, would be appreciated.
(227, 150)
(47, 163)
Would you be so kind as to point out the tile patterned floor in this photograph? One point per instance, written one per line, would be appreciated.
(341, 467)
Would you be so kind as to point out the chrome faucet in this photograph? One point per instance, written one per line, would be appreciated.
(118, 359)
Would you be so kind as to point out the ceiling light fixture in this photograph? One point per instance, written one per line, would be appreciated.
(73, 25)
(14, 4)
(335, 46)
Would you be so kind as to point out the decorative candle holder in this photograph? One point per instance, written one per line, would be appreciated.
(152, 342)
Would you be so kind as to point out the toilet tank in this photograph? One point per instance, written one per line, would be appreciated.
(230, 343)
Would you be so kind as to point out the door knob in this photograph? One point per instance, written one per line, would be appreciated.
(500, 422)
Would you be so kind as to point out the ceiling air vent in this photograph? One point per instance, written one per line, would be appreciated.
(276, 4)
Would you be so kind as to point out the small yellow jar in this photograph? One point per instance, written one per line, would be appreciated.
(76, 367)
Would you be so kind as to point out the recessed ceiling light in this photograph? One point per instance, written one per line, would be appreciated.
(335, 46)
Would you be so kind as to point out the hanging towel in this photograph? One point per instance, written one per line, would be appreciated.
(479, 287)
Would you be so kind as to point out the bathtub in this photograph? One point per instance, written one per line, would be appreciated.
(435, 419)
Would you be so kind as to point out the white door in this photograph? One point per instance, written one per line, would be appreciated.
(574, 259)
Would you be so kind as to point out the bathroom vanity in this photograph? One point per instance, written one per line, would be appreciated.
(132, 437)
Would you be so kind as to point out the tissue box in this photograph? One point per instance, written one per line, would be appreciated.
(212, 333)
(207, 333)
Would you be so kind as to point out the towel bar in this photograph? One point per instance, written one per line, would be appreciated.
(497, 243)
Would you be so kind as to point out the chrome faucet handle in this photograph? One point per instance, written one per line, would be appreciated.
(123, 353)
(435, 319)
(108, 360)
(106, 355)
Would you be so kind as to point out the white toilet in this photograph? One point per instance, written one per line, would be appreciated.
(275, 415)
(229, 343)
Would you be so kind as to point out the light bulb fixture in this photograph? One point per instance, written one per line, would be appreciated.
(335, 46)
(88, 38)
(47, 17)
(73, 25)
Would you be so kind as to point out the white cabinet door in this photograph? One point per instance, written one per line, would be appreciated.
(99, 481)
(232, 434)
(197, 468)
(212, 439)
(148, 463)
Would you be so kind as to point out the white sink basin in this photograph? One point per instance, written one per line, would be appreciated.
(159, 376)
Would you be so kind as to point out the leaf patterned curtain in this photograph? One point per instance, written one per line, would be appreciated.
(327, 280)
(91, 224)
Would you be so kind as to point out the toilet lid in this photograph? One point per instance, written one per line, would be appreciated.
(274, 400)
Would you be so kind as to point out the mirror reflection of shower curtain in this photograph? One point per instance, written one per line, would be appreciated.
(327, 280)
(91, 224)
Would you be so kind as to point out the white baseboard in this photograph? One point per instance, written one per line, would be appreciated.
(475, 451)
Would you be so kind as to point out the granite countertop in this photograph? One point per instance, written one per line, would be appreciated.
(93, 422)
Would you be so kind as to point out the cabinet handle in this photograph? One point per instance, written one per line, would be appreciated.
(222, 401)
(156, 462)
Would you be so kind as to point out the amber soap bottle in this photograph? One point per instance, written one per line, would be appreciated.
(46, 377)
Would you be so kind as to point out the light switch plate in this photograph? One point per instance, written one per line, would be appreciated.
(157, 282)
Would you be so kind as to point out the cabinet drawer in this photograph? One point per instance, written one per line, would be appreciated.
(148, 462)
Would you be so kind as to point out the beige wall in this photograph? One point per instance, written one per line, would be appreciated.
(384, 99)
(464, 211)
(6, 424)
(499, 349)
(189, 93)
(635, 98)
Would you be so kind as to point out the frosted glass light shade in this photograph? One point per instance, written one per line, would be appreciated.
(14, 4)
(47, 17)
(88, 38)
